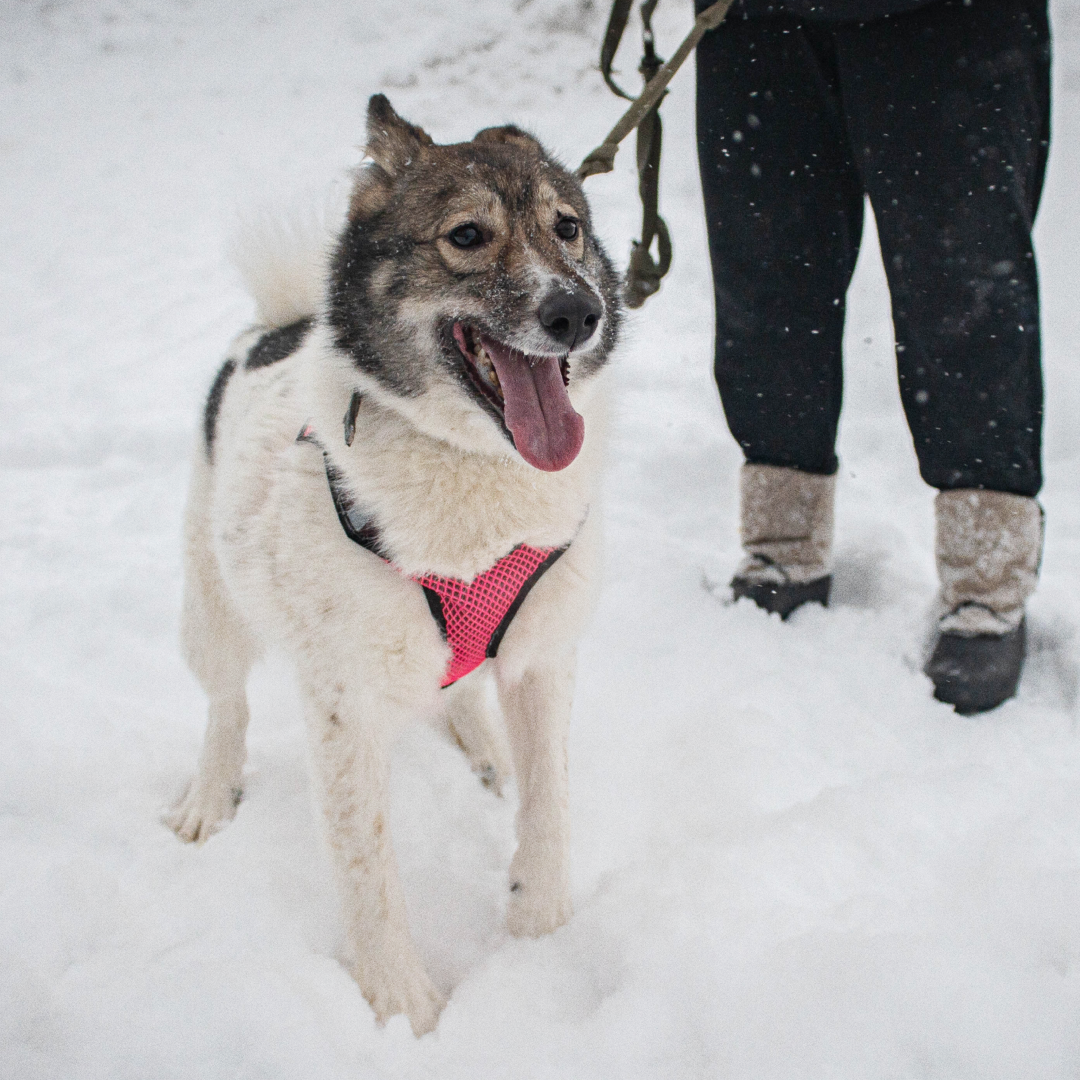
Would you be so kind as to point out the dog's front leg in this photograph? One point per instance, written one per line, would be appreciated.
(352, 767)
(214, 794)
(537, 709)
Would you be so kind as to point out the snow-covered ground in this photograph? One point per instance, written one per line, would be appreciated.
(789, 861)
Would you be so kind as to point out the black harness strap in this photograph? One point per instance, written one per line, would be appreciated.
(363, 531)
(360, 530)
(526, 586)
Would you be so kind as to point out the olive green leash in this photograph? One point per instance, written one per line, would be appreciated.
(644, 273)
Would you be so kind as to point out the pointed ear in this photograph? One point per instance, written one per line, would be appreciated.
(371, 193)
(509, 136)
(392, 143)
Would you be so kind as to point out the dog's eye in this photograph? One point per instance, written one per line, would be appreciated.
(467, 236)
(568, 228)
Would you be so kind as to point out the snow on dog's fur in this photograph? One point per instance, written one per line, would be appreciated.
(470, 307)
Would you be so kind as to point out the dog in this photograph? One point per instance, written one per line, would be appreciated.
(396, 484)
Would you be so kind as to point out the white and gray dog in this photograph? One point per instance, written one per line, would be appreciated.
(394, 485)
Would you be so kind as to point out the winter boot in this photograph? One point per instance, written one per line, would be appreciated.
(787, 527)
(989, 544)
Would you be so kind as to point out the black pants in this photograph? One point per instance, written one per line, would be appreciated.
(941, 117)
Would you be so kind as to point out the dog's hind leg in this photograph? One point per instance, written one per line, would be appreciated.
(470, 723)
(220, 650)
(537, 708)
(348, 739)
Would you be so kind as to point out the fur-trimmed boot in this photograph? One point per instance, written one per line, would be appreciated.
(989, 544)
(787, 530)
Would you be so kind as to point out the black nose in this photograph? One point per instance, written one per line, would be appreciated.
(570, 317)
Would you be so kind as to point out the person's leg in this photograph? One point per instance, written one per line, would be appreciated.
(948, 109)
(783, 206)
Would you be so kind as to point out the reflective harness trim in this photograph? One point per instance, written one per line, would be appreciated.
(472, 616)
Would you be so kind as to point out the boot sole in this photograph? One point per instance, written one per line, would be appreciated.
(977, 674)
(782, 598)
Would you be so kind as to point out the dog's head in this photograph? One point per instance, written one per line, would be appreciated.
(469, 289)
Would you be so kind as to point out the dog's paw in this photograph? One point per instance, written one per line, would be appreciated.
(203, 811)
(536, 910)
(488, 755)
(490, 775)
(403, 988)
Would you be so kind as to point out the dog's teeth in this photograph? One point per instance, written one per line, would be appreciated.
(490, 375)
(484, 366)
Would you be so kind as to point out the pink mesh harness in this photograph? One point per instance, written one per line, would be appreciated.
(472, 615)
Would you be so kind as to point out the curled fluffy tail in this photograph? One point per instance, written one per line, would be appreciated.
(283, 260)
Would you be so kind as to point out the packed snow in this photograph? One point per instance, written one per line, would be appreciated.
(788, 860)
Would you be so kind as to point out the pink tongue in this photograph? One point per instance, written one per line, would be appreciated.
(547, 432)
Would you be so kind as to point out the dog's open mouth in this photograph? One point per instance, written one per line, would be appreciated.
(530, 393)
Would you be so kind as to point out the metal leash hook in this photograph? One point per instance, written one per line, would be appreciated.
(644, 273)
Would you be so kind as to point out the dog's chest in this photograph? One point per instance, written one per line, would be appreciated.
(440, 511)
